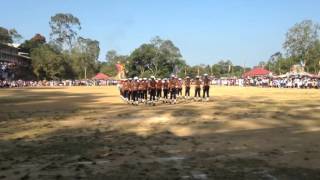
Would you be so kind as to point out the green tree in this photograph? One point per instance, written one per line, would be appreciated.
(237, 71)
(107, 68)
(36, 41)
(313, 58)
(158, 57)
(171, 57)
(225, 67)
(140, 59)
(112, 58)
(9, 35)
(64, 29)
(300, 38)
(49, 64)
(85, 57)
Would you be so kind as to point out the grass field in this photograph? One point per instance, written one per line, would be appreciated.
(89, 133)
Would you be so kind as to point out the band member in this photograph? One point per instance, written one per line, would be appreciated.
(165, 89)
(120, 87)
(173, 89)
(187, 84)
(145, 89)
(179, 85)
(135, 86)
(130, 90)
(197, 88)
(152, 89)
(159, 88)
(140, 90)
(206, 86)
(125, 88)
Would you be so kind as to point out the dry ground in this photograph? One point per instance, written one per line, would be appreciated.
(89, 133)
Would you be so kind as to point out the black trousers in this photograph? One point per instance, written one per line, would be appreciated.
(129, 95)
(197, 92)
(205, 91)
(158, 93)
(141, 95)
(135, 95)
(145, 93)
(165, 93)
(125, 93)
(173, 93)
(179, 91)
(187, 91)
(152, 94)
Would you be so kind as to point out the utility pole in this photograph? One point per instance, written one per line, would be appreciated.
(85, 73)
(319, 68)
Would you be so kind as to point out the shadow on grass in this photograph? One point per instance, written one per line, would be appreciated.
(109, 154)
(30, 104)
(105, 153)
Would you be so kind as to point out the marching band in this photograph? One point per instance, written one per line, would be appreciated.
(151, 91)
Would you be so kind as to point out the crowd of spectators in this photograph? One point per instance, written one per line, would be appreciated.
(275, 82)
(44, 83)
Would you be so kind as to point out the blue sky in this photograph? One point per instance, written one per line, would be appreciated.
(244, 31)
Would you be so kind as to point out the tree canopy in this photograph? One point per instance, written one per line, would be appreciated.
(36, 41)
(9, 35)
(64, 29)
(158, 57)
(302, 46)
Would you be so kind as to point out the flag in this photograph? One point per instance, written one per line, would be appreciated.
(229, 68)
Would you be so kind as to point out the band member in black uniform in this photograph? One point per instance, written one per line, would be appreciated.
(187, 85)
(197, 88)
(206, 87)
(135, 87)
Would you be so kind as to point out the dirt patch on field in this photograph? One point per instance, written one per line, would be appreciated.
(88, 133)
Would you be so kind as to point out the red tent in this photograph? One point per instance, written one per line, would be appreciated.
(256, 72)
(101, 76)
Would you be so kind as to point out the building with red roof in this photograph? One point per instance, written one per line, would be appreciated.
(257, 72)
(101, 76)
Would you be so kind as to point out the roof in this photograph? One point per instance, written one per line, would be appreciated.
(257, 72)
(101, 76)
